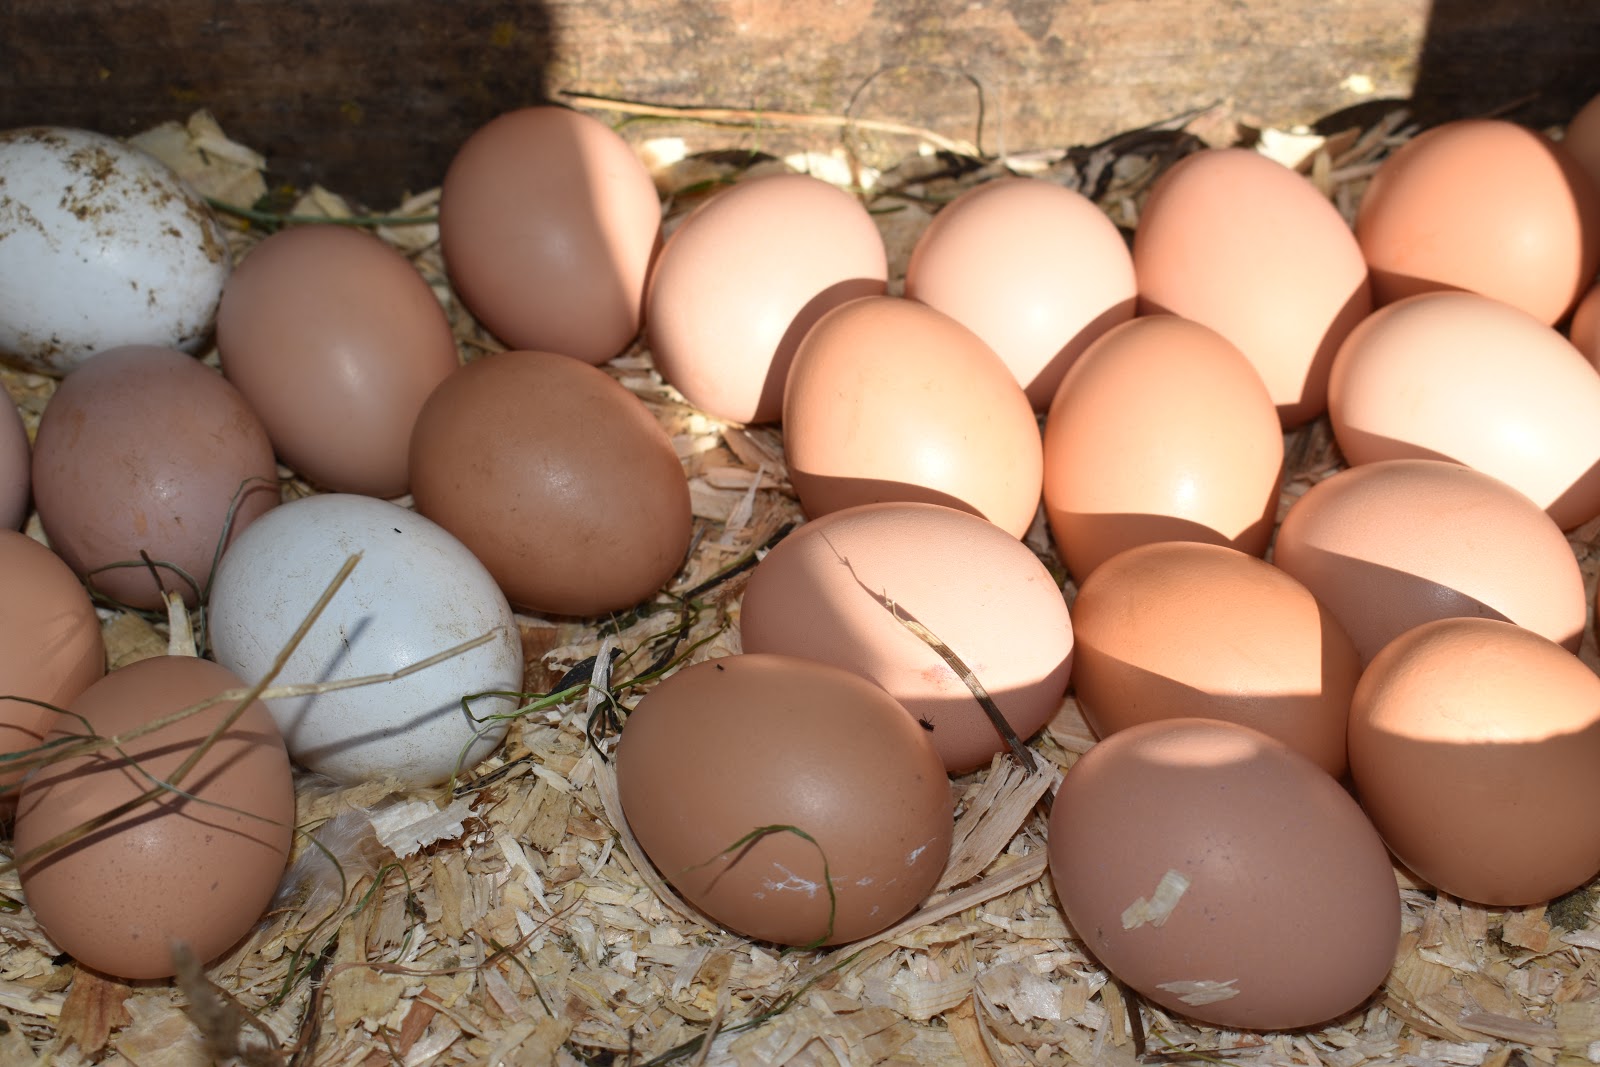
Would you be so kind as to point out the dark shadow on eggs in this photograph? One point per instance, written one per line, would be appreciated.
(771, 403)
(822, 493)
(1087, 540)
(1363, 446)
(1042, 389)
(1376, 603)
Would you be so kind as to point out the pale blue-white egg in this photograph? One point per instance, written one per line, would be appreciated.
(415, 592)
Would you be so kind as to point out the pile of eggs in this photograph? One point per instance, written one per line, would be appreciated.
(1399, 680)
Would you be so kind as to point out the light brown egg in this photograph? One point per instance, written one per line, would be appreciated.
(335, 340)
(1473, 746)
(1035, 269)
(1183, 630)
(1204, 864)
(1487, 206)
(557, 478)
(199, 868)
(1584, 331)
(744, 277)
(730, 747)
(839, 588)
(1394, 544)
(888, 399)
(1248, 247)
(1582, 139)
(16, 456)
(50, 644)
(146, 450)
(1162, 431)
(548, 221)
(1461, 377)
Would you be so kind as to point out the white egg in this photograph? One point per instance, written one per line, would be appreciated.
(416, 591)
(101, 245)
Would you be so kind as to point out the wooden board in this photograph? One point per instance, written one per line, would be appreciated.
(372, 96)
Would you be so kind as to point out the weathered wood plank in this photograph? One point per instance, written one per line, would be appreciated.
(372, 96)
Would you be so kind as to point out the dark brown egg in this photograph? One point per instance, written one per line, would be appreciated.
(198, 868)
(1183, 630)
(548, 221)
(791, 801)
(335, 340)
(50, 644)
(560, 480)
(147, 450)
(1204, 864)
(888, 399)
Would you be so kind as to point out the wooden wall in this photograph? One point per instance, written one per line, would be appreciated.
(372, 96)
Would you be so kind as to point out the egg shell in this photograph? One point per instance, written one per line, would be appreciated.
(1394, 544)
(555, 476)
(16, 457)
(744, 277)
(1582, 139)
(145, 449)
(1204, 863)
(199, 868)
(889, 399)
(728, 746)
(1473, 744)
(415, 592)
(838, 589)
(1461, 377)
(1162, 431)
(1186, 630)
(101, 245)
(1487, 206)
(50, 644)
(548, 222)
(1035, 269)
(1584, 331)
(1246, 246)
(335, 340)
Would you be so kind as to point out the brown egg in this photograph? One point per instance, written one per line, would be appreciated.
(1205, 864)
(557, 478)
(1473, 746)
(744, 277)
(831, 591)
(1462, 377)
(1246, 246)
(335, 340)
(50, 645)
(1585, 329)
(198, 868)
(1162, 431)
(1582, 139)
(547, 221)
(1397, 543)
(145, 449)
(1487, 206)
(888, 399)
(15, 458)
(728, 747)
(1181, 630)
(1035, 269)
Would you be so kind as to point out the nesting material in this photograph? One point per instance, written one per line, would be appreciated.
(512, 919)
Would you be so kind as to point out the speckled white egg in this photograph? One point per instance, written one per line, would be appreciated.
(101, 245)
(415, 592)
